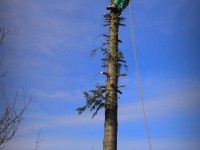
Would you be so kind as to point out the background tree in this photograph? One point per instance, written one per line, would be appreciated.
(10, 115)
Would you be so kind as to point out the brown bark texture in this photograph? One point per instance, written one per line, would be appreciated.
(111, 122)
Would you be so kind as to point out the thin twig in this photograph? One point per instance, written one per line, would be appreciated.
(38, 141)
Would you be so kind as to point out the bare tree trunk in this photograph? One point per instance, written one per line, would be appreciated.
(111, 123)
(106, 95)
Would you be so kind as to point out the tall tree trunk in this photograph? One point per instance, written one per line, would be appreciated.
(111, 123)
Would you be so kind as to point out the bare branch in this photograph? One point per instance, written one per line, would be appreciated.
(11, 118)
(2, 34)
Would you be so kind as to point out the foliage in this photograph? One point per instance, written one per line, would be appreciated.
(94, 101)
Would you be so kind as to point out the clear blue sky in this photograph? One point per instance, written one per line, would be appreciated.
(47, 53)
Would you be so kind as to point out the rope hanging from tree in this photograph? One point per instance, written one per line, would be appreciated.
(138, 77)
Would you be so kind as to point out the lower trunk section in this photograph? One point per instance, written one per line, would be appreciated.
(110, 130)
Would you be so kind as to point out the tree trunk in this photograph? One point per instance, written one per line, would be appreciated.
(111, 124)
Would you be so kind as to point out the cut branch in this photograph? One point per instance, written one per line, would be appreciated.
(121, 74)
(102, 72)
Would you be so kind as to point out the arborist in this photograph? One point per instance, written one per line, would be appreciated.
(118, 5)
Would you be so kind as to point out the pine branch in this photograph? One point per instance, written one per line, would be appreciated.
(94, 101)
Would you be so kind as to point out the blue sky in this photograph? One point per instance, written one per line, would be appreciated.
(47, 53)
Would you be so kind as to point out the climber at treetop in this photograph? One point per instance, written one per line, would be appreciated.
(119, 5)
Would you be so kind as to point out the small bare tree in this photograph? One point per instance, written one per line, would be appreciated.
(10, 115)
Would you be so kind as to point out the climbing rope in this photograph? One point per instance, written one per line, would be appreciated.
(138, 77)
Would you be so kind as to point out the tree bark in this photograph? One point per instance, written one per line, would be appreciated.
(111, 123)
